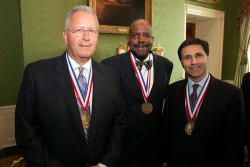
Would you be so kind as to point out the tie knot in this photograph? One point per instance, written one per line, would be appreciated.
(195, 86)
(81, 69)
(147, 64)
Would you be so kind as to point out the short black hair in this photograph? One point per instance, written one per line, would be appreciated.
(193, 41)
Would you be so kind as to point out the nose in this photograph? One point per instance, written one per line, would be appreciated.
(193, 60)
(141, 38)
(85, 35)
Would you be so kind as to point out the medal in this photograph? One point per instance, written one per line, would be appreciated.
(85, 117)
(146, 107)
(145, 83)
(189, 128)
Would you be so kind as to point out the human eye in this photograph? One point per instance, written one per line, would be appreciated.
(134, 35)
(198, 55)
(186, 58)
(77, 31)
(92, 32)
(147, 36)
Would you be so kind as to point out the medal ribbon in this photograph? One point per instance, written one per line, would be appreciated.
(83, 102)
(145, 87)
(192, 112)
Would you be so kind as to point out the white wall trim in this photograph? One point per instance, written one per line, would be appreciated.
(200, 11)
(216, 37)
(7, 126)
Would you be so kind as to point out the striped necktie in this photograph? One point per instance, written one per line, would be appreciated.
(194, 95)
(83, 88)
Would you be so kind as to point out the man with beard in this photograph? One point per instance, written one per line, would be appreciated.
(145, 78)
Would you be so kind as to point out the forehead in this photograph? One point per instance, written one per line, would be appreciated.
(141, 26)
(83, 19)
(192, 49)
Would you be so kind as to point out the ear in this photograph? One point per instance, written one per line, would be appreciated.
(152, 39)
(65, 37)
(181, 63)
(127, 39)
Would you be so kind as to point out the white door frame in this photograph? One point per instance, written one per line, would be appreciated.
(218, 17)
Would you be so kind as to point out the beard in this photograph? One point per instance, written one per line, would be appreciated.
(140, 56)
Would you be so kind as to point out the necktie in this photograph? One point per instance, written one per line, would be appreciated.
(83, 88)
(147, 64)
(194, 95)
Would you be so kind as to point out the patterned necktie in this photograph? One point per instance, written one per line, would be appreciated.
(83, 88)
(147, 64)
(194, 94)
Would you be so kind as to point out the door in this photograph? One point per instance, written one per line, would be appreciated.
(209, 26)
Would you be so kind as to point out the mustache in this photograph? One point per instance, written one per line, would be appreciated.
(141, 45)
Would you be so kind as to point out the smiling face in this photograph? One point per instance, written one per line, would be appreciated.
(140, 38)
(194, 61)
(81, 46)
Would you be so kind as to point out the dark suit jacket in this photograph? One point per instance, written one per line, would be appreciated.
(48, 125)
(217, 137)
(246, 92)
(143, 137)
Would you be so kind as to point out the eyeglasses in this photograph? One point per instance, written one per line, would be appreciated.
(80, 31)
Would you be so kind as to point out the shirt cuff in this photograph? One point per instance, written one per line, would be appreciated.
(101, 165)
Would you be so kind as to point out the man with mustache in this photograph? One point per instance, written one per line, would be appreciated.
(145, 78)
(204, 115)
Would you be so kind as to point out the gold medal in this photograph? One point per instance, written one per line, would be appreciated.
(146, 107)
(189, 128)
(85, 117)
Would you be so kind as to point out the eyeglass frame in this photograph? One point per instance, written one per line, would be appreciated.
(80, 31)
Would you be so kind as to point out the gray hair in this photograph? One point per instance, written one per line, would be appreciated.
(78, 9)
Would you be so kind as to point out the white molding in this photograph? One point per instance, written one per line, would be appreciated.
(200, 11)
(216, 19)
(7, 126)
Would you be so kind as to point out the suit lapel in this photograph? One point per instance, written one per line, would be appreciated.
(64, 82)
(157, 76)
(98, 96)
(130, 73)
(180, 97)
(207, 106)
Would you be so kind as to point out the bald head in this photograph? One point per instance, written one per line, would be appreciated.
(140, 39)
(141, 22)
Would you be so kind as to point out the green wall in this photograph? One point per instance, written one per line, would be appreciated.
(42, 40)
(231, 40)
(42, 27)
(32, 30)
(10, 51)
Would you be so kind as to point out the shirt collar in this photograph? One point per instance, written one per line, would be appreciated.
(201, 83)
(75, 66)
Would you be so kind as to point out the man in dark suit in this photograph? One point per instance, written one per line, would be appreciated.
(145, 77)
(61, 124)
(204, 122)
(245, 86)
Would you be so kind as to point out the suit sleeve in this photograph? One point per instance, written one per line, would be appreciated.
(116, 139)
(234, 130)
(246, 93)
(28, 132)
